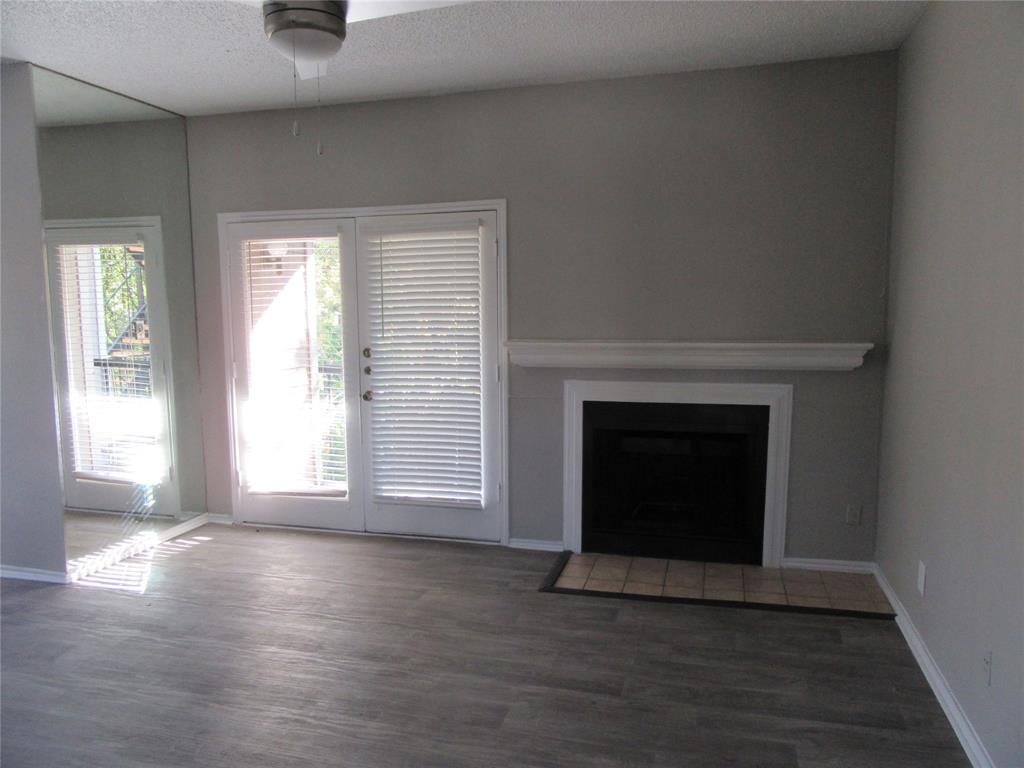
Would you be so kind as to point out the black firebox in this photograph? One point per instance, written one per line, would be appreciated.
(675, 480)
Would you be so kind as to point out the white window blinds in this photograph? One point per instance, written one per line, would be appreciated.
(424, 319)
(294, 415)
(112, 419)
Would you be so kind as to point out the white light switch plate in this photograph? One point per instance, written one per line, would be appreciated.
(920, 577)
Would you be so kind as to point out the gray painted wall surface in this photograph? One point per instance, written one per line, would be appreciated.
(114, 170)
(32, 513)
(953, 437)
(744, 204)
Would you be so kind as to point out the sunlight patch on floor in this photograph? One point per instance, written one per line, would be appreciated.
(132, 572)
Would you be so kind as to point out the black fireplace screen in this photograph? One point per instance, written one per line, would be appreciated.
(675, 480)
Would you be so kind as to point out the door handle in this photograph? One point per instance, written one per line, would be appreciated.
(368, 395)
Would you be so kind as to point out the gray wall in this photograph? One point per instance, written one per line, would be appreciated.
(953, 434)
(743, 204)
(114, 170)
(31, 510)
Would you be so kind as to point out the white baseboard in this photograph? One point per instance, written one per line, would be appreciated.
(814, 564)
(542, 545)
(962, 726)
(219, 519)
(33, 574)
(185, 526)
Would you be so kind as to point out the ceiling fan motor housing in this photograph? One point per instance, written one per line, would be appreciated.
(312, 29)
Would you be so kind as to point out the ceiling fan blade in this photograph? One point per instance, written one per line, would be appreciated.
(362, 10)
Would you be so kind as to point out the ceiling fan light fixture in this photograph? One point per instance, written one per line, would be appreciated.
(311, 46)
(310, 30)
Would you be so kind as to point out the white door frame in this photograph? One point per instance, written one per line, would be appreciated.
(147, 229)
(224, 220)
(778, 398)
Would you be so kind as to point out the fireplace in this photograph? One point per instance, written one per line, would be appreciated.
(681, 480)
(777, 398)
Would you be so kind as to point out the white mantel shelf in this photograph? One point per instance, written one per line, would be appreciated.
(714, 355)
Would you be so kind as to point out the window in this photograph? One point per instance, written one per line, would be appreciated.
(113, 422)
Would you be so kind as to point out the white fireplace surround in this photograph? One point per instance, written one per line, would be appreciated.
(778, 398)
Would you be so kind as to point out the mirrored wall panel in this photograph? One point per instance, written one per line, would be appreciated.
(114, 175)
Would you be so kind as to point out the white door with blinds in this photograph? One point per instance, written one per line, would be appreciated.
(364, 373)
(111, 359)
(428, 309)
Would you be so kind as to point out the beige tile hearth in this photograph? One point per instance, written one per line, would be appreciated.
(647, 571)
(605, 585)
(577, 571)
(808, 602)
(769, 586)
(681, 591)
(730, 595)
(688, 580)
(727, 582)
(723, 571)
(806, 589)
(570, 582)
(771, 598)
(642, 588)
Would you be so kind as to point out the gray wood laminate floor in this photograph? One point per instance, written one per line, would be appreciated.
(86, 533)
(272, 648)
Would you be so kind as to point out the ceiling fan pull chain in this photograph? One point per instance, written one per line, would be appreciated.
(319, 120)
(295, 88)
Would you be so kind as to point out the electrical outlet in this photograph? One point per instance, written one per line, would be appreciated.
(853, 512)
(987, 661)
(920, 577)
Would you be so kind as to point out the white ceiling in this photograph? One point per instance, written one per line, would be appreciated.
(208, 57)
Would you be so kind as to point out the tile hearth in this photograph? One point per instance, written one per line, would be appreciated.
(654, 577)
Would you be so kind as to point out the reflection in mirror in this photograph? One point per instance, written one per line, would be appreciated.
(114, 179)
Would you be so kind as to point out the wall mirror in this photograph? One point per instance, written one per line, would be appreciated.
(114, 175)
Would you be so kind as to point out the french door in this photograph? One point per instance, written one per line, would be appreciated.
(365, 373)
(111, 359)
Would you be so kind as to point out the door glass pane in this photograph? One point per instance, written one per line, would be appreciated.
(114, 420)
(294, 415)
